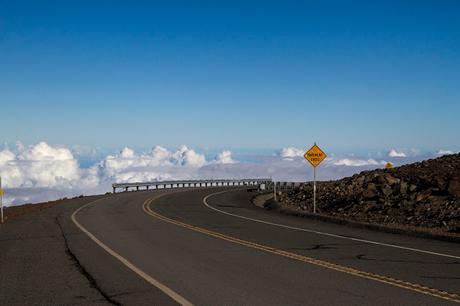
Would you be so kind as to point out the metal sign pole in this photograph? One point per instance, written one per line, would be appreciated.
(1, 198)
(314, 156)
(314, 190)
(274, 190)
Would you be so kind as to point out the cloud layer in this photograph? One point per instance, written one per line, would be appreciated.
(446, 152)
(291, 153)
(394, 153)
(38, 166)
(43, 172)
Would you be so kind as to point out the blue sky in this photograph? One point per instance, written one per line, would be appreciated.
(351, 75)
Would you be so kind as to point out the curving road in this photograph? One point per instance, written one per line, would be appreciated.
(211, 246)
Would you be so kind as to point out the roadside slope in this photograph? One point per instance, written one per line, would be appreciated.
(424, 194)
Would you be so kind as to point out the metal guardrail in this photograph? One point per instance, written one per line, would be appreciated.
(285, 185)
(192, 183)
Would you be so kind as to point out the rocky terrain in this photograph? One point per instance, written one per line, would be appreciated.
(424, 194)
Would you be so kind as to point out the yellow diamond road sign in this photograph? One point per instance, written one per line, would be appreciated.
(1, 192)
(315, 156)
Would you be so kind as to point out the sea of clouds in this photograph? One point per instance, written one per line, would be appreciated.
(42, 172)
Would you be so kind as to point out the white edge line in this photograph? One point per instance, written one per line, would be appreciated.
(168, 291)
(319, 232)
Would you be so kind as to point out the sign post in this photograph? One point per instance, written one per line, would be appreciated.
(314, 190)
(314, 156)
(1, 198)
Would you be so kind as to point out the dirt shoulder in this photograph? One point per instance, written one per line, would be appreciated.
(266, 201)
(13, 212)
(36, 264)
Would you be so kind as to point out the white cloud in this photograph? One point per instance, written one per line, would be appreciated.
(289, 153)
(160, 155)
(127, 153)
(354, 162)
(224, 157)
(188, 157)
(441, 152)
(42, 167)
(86, 151)
(6, 156)
(127, 166)
(43, 152)
(127, 159)
(394, 153)
(39, 165)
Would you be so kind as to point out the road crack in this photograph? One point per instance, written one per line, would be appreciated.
(365, 257)
(92, 281)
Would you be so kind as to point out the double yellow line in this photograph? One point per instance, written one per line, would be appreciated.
(149, 279)
(321, 263)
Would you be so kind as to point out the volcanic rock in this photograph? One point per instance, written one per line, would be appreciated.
(424, 194)
(454, 188)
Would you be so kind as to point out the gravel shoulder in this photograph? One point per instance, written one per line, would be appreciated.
(266, 201)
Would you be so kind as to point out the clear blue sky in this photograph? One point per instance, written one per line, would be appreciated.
(262, 74)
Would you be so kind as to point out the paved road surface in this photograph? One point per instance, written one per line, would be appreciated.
(178, 247)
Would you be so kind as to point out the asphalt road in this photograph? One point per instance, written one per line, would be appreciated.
(213, 247)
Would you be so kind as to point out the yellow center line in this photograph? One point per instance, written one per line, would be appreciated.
(317, 262)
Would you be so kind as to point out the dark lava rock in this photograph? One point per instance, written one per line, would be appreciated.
(454, 188)
(370, 192)
(424, 194)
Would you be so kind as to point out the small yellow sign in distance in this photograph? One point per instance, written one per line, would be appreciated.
(315, 155)
(1, 192)
(388, 165)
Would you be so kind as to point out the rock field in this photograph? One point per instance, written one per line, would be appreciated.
(424, 194)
